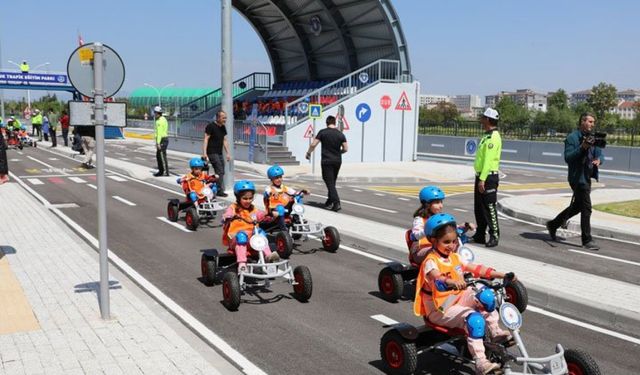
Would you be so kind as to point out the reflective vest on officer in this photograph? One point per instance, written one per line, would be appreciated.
(24, 68)
(233, 226)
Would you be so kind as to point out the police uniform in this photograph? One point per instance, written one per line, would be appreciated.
(162, 139)
(486, 167)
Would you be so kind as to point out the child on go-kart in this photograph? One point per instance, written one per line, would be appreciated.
(193, 183)
(277, 194)
(431, 203)
(239, 222)
(443, 298)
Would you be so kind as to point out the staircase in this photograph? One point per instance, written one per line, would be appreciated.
(280, 155)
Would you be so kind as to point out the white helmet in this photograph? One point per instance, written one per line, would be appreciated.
(491, 113)
(37, 110)
(157, 109)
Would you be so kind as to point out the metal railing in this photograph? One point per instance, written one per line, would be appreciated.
(344, 88)
(246, 132)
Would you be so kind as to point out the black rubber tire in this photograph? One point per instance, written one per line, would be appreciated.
(399, 355)
(209, 269)
(231, 291)
(331, 239)
(284, 244)
(302, 292)
(191, 218)
(517, 294)
(390, 284)
(172, 211)
(581, 363)
(296, 236)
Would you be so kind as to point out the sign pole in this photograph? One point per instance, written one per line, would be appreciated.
(402, 138)
(384, 138)
(362, 145)
(98, 50)
(313, 155)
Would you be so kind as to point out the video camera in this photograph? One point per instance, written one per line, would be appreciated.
(596, 139)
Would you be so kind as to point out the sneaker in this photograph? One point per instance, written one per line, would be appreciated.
(273, 257)
(552, 231)
(591, 246)
(493, 242)
(336, 207)
(484, 367)
(158, 174)
(328, 205)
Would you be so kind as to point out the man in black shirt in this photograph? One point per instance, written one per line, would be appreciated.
(215, 137)
(334, 144)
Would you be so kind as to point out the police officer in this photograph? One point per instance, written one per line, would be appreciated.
(485, 193)
(24, 67)
(162, 142)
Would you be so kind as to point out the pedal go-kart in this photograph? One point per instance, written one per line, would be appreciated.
(258, 274)
(205, 208)
(401, 344)
(393, 277)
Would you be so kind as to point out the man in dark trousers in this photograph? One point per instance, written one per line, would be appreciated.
(215, 138)
(583, 160)
(4, 165)
(334, 144)
(162, 142)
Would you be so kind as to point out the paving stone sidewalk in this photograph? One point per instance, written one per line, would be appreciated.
(59, 275)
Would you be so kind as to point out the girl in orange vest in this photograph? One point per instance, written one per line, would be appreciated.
(239, 225)
(443, 299)
(277, 194)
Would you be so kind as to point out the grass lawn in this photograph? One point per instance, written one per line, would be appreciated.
(628, 208)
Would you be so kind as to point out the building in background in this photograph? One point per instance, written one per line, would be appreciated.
(429, 100)
(625, 109)
(465, 103)
(525, 97)
(629, 95)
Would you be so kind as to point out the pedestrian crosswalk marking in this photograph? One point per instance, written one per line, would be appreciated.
(117, 178)
(77, 180)
(468, 188)
(35, 181)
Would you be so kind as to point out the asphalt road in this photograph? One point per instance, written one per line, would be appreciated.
(334, 332)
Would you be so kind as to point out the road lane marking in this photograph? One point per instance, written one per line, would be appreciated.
(358, 204)
(460, 209)
(139, 158)
(182, 228)
(551, 154)
(384, 319)
(357, 190)
(53, 159)
(35, 181)
(125, 159)
(15, 160)
(128, 203)
(359, 252)
(605, 257)
(62, 205)
(379, 194)
(77, 180)
(404, 199)
(120, 154)
(43, 163)
(92, 186)
(20, 153)
(317, 183)
(117, 178)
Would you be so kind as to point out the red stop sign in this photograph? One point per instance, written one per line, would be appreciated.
(385, 102)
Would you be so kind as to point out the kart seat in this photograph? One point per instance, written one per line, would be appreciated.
(446, 330)
(407, 239)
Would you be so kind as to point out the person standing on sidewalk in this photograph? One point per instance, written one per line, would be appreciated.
(162, 142)
(4, 164)
(583, 160)
(53, 127)
(485, 193)
(36, 125)
(64, 125)
(334, 144)
(215, 138)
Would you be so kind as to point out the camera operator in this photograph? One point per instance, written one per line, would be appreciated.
(583, 155)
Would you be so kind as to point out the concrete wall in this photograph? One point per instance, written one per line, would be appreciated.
(616, 158)
(240, 151)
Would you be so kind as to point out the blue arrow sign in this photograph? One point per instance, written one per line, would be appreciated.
(363, 112)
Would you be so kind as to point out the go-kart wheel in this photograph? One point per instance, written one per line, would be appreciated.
(398, 354)
(191, 218)
(517, 294)
(390, 284)
(302, 291)
(35, 144)
(172, 211)
(209, 269)
(20, 146)
(284, 244)
(580, 362)
(231, 291)
(331, 239)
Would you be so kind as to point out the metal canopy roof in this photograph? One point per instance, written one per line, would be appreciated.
(311, 40)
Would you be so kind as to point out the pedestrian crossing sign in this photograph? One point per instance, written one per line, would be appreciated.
(315, 111)
(309, 132)
(403, 103)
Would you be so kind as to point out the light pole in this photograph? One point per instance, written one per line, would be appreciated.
(159, 93)
(28, 91)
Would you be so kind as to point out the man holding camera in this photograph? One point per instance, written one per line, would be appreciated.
(583, 155)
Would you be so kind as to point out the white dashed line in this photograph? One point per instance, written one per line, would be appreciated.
(605, 257)
(139, 158)
(94, 187)
(461, 210)
(404, 199)
(384, 319)
(176, 225)
(128, 203)
(358, 204)
(35, 181)
(77, 180)
(54, 159)
(380, 194)
(117, 178)
(357, 190)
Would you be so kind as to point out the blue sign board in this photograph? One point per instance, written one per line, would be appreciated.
(470, 147)
(363, 112)
(29, 78)
(315, 111)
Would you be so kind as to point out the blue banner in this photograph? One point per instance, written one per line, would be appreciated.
(30, 78)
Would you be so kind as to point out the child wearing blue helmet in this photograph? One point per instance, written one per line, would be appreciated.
(239, 221)
(443, 299)
(194, 182)
(277, 194)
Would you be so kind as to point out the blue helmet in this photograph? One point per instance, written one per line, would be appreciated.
(196, 163)
(436, 222)
(243, 185)
(275, 171)
(431, 193)
(23, 127)
(487, 297)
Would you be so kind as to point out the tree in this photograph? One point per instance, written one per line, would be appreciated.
(442, 114)
(512, 115)
(603, 97)
(559, 100)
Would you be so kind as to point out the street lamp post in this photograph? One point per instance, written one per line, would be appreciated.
(159, 93)
(28, 91)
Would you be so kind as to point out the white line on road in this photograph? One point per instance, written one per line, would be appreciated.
(605, 257)
(503, 216)
(380, 194)
(357, 190)
(384, 319)
(77, 180)
(551, 154)
(20, 153)
(128, 203)
(461, 210)
(15, 160)
(62, 205)
(120, 154)
(53, 159)
(139, 158)
(359, 204)
(528, 175)
(317, 183)
(94, 187)
(117, 178)
(182, 228)
(404, 199)
(35, 181)
(125, 159)
(43, 163)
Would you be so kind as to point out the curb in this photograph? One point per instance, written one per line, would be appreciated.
(573, 225)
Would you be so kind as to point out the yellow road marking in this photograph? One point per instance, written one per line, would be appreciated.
(33, 170)
(16, 314)
(128, 134)
(468, 188)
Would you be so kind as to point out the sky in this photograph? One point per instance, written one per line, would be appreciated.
(455, 46)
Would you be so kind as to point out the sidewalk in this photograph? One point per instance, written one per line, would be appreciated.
(50, 313)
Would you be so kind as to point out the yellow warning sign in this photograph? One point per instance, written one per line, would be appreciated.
(86, 56)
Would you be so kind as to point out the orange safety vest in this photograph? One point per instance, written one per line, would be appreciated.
(233, 226)
(278, 196)
(442, 300)
(196, 184)
(424, 241)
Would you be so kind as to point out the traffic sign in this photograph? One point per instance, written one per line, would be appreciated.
(81, 73)
(315, 111)
(81, 114)
(403, 103)
(309, 132)
(345, 123)
(470, 147)
(385, 102)
(303, 107)
(363, 112)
